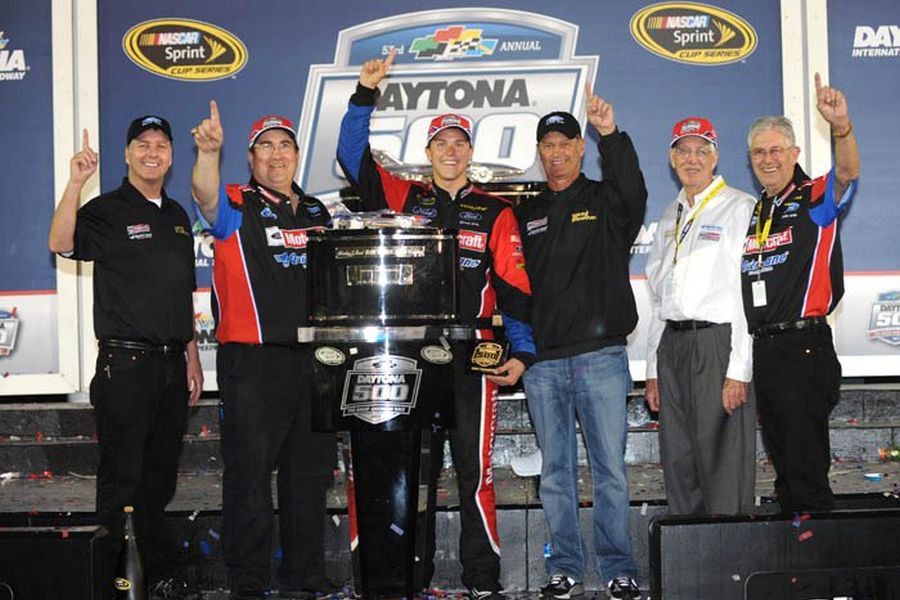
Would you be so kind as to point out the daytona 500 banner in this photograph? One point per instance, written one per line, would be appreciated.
(503, 64)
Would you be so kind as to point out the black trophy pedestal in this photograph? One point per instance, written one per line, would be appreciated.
(389, 387)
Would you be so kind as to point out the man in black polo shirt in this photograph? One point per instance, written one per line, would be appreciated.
(260, 299)
(148, 368)
(792, 277)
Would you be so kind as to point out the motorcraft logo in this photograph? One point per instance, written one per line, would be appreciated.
(138, 231)
(884, 319)
(881, 41)
(185, 49)
(12, 61)
(472, 240)
(9, 327)
(501, 69)
(776, 240)
(693, 33)
(381, 388)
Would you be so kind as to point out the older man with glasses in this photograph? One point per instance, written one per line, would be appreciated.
(793, 277)
(698, 353)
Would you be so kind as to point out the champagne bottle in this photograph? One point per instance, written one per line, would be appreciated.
(129, 581)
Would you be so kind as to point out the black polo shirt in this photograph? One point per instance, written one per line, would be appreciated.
(143, 266)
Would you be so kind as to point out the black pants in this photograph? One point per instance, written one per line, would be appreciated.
(471, 444)
(266, 425)
(798, 377)
(140, 406)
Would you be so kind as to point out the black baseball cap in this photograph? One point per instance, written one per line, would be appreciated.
(142, 124)
(560, 121)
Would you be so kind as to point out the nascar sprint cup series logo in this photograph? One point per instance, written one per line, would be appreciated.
(185, 49)
(502, 69)
(694, 33)
(380, 388)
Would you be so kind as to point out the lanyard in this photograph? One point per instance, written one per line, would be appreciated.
(687, 226)
(762, 232)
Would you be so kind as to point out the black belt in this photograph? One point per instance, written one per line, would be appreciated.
(687, 325)
(143, 346)
(778, 328)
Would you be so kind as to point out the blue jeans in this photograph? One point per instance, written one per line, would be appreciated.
(592, 386)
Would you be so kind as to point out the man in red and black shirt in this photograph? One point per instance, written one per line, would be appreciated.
(491, 274)
(259, 301)
(792, 278)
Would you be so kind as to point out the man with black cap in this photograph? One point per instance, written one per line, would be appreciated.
(699, 350)
(577, 235)
(491, 275)
(260, 299)
(148, 368)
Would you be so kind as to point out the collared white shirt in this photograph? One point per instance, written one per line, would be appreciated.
(704, 284)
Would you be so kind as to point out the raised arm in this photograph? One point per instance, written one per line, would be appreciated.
(208, 136)
(377, 188)
(62, 229)
(353, 141)
(832, 105)
(600, 113)
(620, 165)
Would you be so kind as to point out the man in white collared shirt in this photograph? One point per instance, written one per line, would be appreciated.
(699, 350)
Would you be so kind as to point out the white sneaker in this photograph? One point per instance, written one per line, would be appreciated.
(527, 465)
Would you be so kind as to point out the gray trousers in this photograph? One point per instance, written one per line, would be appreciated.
(708, 457)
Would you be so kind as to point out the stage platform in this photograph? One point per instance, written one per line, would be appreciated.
(48, 456)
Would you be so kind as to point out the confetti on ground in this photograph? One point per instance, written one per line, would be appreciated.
(214, 534)
(336, 520)
(396, 529)
(194, 514)
(805, 536)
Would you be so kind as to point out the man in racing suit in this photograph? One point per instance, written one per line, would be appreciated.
(491, 272)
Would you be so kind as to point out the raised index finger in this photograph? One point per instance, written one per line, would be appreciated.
(588, 90)
(390, 59)
(213, 112)
(85, 145)
(818, 83)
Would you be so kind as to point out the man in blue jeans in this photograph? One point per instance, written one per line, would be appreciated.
(577, 236)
